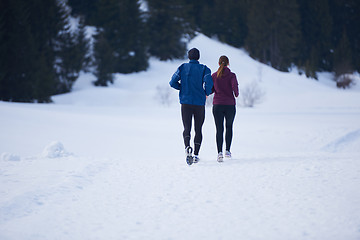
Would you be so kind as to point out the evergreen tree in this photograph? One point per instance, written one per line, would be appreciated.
(83, 46)
(195, 12)
(311, 63)
(88, 9)
(120, 40)
(316, 28)
(273, 35)
(343, 56)
(19, 60)
(226, 19)
(71, 57)
(346, 18)
(48, 22)
(124, 31)
(35, 45)
(168, 29)
(207, 22)
(104, 60)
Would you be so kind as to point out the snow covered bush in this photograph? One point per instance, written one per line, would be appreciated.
(55, 150)
(9, 157)
(251, 94)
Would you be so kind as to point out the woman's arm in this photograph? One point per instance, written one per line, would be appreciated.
(235, 85)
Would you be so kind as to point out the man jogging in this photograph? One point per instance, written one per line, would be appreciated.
(195, 83)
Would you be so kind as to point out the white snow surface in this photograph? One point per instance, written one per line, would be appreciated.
(109, 163)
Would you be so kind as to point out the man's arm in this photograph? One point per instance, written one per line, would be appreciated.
(208, 81)
(175, 80)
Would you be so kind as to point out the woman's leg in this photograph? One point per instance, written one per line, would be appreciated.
(229, 117)
(219, 123)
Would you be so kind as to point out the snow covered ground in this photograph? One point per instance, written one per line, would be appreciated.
(108, 163)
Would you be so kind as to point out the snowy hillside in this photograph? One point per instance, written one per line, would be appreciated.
(108, 163)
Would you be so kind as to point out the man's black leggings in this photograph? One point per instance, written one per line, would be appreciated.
(220, 113)
(187, 113)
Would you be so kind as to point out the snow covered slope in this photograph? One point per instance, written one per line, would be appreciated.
(108, 163)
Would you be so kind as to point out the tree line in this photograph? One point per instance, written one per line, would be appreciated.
(42, 54)
(314, 35)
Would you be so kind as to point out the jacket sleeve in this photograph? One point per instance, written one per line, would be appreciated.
(175, 80)
(208, 81)
(213, 76)
(235, 85)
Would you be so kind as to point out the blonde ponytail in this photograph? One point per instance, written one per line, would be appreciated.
(223, 62)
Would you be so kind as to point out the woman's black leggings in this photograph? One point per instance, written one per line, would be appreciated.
(187, 113)
(220, 113)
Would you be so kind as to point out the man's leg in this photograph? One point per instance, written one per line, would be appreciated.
(186, 114)
(199, 117)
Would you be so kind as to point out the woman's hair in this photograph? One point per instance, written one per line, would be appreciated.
(223, 62)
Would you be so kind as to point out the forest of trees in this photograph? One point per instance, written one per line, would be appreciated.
(42, 54)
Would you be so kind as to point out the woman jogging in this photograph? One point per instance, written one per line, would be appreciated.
(225, 89)
(195, 83)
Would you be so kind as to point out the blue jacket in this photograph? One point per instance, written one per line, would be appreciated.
(194, 82)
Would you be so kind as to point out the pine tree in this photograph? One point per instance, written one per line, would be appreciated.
(311, 63)
(273, 35)
(207, 22)
(226, 19)
(72, 52)
(194, 12)
(60, 52)
(346, 17)
(48, 22)
(168, 29)
(124, 30)
(343, 56)
(39, 56)
(120, 40)
(83, 46)
(18, 52)
(88, 9)
(258, 21)
(104, 60)
(235, 21)
(316, 28)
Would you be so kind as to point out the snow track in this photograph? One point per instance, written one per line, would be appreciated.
(348, 142)
(63, 177)
(286, 198)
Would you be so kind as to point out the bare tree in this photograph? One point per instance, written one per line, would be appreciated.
(163, 95)
(251, 94)
(344, 81)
